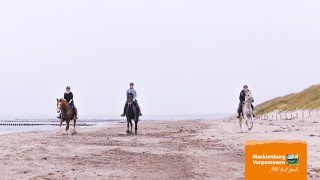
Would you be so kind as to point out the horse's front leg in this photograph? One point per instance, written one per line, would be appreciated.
(240, 122)
(61, 121)
(74, 126)
(136, 125)
(68, 125)
(246, 118)
(251, 123)
(128, 125)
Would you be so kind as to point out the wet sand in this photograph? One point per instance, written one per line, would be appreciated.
(192, 149)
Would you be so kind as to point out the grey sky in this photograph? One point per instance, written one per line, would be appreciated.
(184, 56)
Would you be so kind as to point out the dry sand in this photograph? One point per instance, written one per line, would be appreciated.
(188, 149)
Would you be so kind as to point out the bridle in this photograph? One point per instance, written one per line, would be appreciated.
(59, 107)
(249, 98)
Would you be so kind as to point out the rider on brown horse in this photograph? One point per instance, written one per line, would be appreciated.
(133, 92)
(68, 96)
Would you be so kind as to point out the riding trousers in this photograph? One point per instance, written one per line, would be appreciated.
(74, 108)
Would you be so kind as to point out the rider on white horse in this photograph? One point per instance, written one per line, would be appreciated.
(242, 98)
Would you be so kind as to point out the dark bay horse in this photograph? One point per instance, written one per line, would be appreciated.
(67, 114)
(132, 114)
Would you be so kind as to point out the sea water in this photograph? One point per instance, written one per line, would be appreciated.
(27, 125)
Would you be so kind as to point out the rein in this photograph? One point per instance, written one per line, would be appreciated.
(248, 102)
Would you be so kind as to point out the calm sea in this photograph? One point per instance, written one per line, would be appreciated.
(25, 125)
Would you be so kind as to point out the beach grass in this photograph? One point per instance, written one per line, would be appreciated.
(306, 99)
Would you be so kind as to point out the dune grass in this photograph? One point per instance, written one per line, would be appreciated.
(307, 99)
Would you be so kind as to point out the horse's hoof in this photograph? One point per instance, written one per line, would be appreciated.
(128, 131)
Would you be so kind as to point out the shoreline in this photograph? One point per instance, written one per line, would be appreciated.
(162, 149)
(21, 125)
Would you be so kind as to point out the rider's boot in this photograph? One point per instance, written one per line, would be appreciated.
(138, 108)
(124, 112)
(76, 113)
(239, 115)
(124, 109)
(140, 114)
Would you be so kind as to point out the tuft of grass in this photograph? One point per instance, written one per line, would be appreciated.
(306, 99)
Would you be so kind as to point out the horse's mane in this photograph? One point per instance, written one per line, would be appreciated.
(63, 101)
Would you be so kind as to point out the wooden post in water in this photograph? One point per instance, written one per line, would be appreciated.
(302, 114)
(291, 115)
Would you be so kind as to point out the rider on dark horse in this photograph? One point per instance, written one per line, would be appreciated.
(242, 98)
(68, 96)
(133, 92)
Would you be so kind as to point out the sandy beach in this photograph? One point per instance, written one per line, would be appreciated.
(191, 149)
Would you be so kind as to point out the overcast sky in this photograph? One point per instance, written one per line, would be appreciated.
(185, 57)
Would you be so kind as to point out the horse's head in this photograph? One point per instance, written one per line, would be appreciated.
(60, 103)
(249, 97)
(130, 99)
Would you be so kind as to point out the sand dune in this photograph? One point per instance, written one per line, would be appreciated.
(201, 149)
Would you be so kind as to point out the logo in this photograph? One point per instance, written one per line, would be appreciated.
(293, 159)
(270, 160)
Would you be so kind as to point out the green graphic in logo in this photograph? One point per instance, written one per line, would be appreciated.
(293, 159)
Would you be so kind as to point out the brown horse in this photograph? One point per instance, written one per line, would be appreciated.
(67, 113)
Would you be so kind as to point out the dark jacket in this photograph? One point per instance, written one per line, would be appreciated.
(242, 97)
(68, 97)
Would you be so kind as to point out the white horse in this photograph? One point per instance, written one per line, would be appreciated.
(247, 112)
